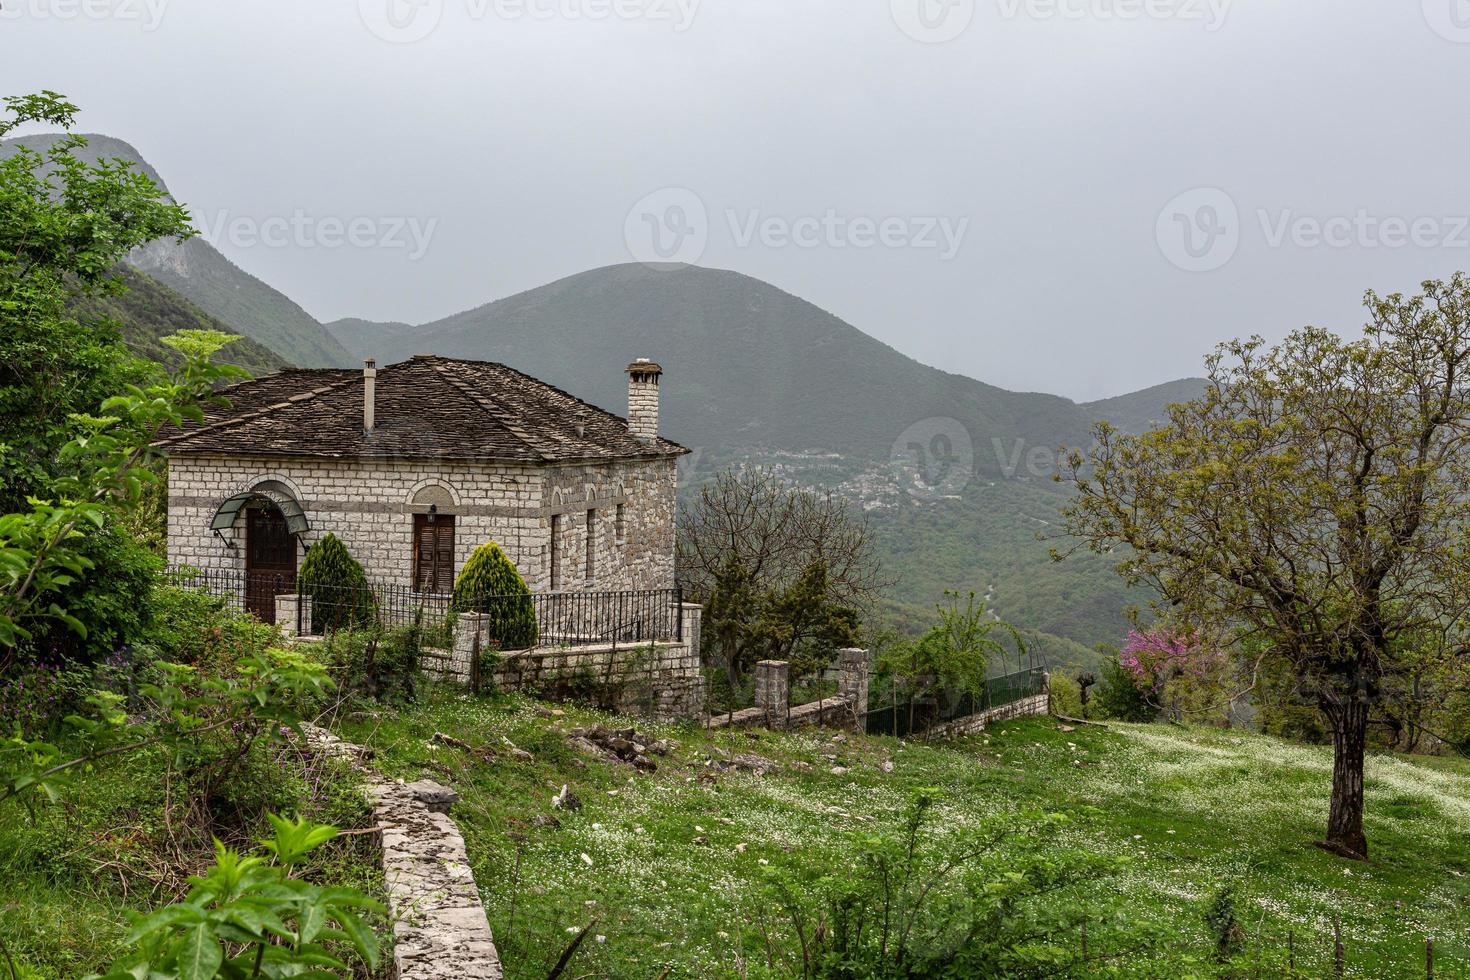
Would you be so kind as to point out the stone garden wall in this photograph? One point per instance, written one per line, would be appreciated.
(661, 680)
(1039, 704)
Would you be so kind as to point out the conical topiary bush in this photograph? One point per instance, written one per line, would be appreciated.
(490, 584)
(340, 595)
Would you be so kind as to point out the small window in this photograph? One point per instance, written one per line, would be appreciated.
(621, 523)
(591, 546)
(555, 546)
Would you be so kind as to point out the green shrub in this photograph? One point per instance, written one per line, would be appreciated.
(340, 595)
(1066, 696)
(111, 604)
(966, 902)
(1117, 696)
(381, 665)
(490, 584)
(188, 626)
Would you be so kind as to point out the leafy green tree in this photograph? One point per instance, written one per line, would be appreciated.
(106, 468)
(64, 226)
(340, 595)
(954, 656)
(1119, 695)
(491, 584)
(1314, 496)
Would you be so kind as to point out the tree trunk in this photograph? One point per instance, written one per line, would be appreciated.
(1349, 738)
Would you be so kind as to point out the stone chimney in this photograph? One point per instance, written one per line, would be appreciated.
(369, 394)
(643, 377)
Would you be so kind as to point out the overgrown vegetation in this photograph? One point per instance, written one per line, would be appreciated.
(164, 725)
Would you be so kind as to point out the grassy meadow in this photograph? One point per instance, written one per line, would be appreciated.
(671, 869)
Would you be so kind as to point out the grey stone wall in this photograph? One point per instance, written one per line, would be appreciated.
(1039, 704)
(370, 504)
(635, 551)
(661, 680)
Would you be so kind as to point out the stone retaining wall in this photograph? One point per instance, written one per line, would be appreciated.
(440, 931)
(662, 680)
(1039, 704)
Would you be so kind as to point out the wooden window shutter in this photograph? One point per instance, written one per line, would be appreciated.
(433, 555)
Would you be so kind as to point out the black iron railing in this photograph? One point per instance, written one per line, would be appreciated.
(515, 621)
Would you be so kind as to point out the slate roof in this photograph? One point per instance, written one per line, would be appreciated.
(426, 407)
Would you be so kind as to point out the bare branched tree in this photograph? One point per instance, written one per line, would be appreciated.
(753, 546)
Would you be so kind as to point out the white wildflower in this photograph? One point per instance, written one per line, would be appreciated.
(587, 859)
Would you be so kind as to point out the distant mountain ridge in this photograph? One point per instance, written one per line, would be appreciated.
(200, 273)
(747, 365)
(1139, 411)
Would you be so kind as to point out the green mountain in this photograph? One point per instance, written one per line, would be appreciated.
(756, 375)
(149, 310)
(197, 271)
(746, 364)
(1140, 411)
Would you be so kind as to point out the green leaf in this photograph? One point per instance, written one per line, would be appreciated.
(199, 956)
(364, 940)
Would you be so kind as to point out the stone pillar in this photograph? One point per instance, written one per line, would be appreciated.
(693, 624)
(287, 609)
(470, 631)
(773, 691)
(852, 681)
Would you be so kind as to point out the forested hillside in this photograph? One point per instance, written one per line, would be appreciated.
(148, 310)
(196, 270)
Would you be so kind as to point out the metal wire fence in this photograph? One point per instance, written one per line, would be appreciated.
(901, 709)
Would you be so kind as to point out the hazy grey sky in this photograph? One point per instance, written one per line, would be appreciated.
(1005, 203)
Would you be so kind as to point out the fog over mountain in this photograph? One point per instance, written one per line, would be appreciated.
(779, 139)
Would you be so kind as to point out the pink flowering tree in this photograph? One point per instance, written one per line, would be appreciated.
(1178, 672)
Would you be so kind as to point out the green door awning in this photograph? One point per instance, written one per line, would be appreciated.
(272, 490)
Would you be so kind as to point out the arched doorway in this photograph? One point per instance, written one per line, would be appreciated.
(274, 519)
(270, 558)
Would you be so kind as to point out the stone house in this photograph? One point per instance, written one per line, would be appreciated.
(416, 464)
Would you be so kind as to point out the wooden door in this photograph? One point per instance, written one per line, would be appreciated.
(270, 561)
(433, 553)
